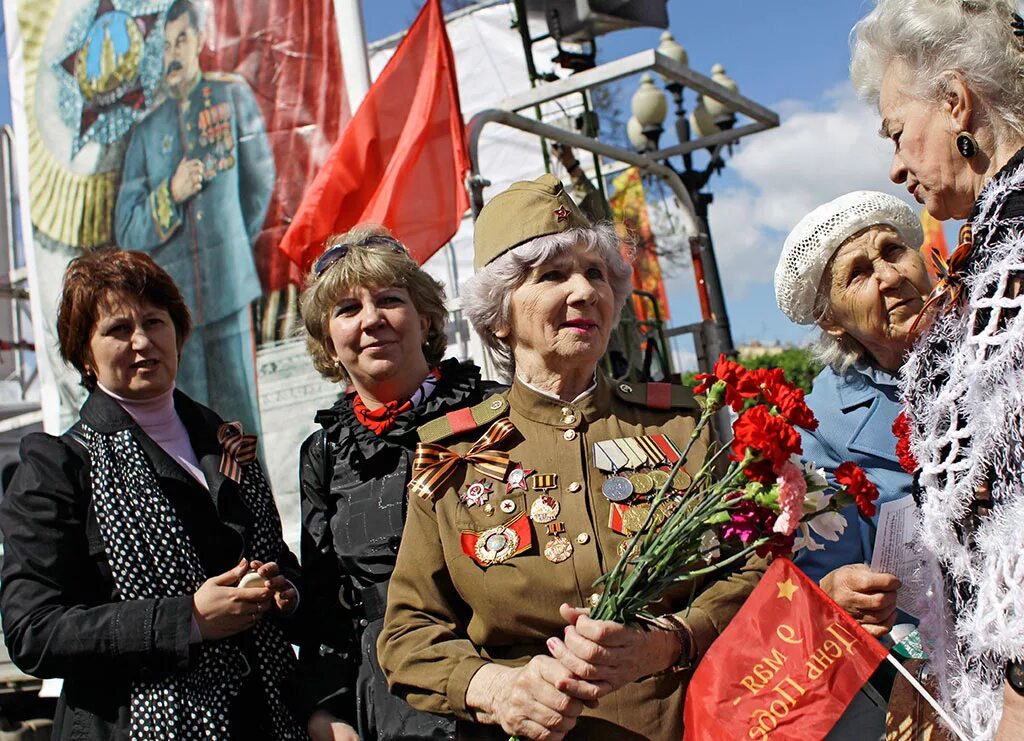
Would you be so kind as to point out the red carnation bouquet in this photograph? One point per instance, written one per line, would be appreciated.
(766, 502)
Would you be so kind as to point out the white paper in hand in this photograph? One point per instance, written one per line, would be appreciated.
(896, 551)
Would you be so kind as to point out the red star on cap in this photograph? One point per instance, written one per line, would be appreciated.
(562, 213)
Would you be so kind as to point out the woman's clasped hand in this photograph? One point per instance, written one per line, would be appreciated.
(540, 700)
(609, 655)
(221, 608)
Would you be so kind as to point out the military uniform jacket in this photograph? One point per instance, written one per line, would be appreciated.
(206, 242)
(447, 615)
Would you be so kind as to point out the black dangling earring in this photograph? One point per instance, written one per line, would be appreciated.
(966, 145)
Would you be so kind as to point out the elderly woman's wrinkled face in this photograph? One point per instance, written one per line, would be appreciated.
(876, 287)
(133, 350)
(925, 157)
(378, 334)
(562, 314)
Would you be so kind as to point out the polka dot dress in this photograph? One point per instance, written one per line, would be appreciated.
(151, 557)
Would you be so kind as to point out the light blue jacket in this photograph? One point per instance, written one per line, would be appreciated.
(855, 413)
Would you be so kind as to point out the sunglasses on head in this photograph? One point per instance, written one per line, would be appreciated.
(338, 251)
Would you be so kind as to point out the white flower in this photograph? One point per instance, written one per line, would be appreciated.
(806, 541)
(815, 477)
(829, 525)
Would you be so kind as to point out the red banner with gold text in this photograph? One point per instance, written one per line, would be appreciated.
(786, 667)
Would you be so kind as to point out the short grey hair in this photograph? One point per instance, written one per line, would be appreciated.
(838, 353)
(487, 296)
(929, 37)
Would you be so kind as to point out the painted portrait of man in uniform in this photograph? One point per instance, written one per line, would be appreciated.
(195, 186)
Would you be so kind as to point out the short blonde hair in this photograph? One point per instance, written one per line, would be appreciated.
(368, 265)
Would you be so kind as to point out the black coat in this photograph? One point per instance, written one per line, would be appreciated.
(62, 615)
(353, 511)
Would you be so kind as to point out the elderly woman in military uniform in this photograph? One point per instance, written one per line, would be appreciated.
(947, 77)
(518, 504)
(853, 267)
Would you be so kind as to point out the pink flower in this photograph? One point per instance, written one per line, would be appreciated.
(792, 491)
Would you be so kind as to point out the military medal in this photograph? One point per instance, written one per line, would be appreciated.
(507, 506)
(559, 548)
(545, 481)
(658, 479)
(544, 510)
(682, 480)
(517, 478)
(608, 457)
(643, 483)
(615, 513)
(617, 488)
(496, 545)
(666, 446)
(476, 493)
(633, 519)
(651, 449)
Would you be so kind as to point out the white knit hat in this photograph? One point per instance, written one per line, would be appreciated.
(820, 233)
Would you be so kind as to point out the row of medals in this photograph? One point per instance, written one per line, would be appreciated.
(633, 490)
(631, 493)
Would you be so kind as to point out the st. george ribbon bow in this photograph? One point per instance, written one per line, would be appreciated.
(237, 450)
(949, 289)
(432, 464)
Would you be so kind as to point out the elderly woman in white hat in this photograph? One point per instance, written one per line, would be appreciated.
(853, 267)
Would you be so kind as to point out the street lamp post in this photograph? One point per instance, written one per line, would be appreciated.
(650, 108)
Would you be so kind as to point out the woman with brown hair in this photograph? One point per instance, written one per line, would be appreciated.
(375, 321)
(127, 539)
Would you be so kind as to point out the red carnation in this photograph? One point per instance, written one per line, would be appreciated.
(901, 429)
(789, 400)
(733, 374)
(853, 479)
(762, 381)
(768, 435)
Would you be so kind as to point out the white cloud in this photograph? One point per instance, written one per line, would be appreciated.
(779, 175)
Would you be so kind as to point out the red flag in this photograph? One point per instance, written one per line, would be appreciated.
(287, 50)
(402, 158)
(786, 667)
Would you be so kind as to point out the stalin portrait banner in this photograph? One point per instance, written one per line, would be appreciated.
(187, 130)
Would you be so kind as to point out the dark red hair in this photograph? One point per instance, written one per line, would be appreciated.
(100, 275)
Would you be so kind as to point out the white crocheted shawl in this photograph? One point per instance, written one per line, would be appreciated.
(964, 384)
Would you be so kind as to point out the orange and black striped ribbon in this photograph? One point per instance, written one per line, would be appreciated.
(237, 450)
(432, 464)
(949, 289)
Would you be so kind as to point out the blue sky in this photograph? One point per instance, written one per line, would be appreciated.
(791, 55)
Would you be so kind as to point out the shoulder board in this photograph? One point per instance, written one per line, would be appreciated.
(222, 77)
(656, 395)
(464, 420)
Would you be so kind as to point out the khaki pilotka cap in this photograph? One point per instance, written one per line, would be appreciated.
(527, 210)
